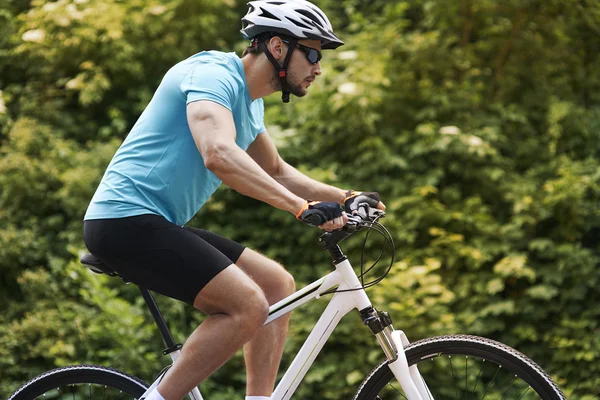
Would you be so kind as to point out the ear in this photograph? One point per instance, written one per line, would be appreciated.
(277, 47)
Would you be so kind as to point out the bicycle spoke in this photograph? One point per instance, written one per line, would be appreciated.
(466, 373)
(453, 379)
(509, 386)
(525, 393)
(492, 382)
(478, 375)
(399, 392)
(437, 393)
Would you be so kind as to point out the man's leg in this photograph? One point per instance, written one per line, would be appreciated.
(237, 308)
(263, 352)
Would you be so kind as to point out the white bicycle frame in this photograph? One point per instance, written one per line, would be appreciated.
(392, 342)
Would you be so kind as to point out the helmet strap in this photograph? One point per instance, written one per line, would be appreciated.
(282, 69)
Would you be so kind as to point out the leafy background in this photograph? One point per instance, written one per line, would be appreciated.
(477, 121)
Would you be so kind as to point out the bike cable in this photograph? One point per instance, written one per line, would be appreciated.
(382, 230)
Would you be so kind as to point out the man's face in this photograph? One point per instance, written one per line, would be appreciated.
(301, 72)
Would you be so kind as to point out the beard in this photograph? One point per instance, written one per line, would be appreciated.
(293, 83)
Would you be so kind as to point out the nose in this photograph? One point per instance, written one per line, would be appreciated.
(317, 69)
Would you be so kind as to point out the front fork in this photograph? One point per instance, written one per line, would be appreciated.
(393, 343)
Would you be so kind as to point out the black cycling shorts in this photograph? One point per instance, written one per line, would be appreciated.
(158, 255)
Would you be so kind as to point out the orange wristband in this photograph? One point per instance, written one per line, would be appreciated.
(305, 207)
(350, 194)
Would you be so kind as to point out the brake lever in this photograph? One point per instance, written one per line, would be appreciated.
(376, 213)
(368, 213)
(356, 221)
(353, 220)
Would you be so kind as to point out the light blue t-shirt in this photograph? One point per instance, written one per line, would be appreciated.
(158, 168)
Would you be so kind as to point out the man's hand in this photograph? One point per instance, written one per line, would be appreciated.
(353, 199)
(324, 214)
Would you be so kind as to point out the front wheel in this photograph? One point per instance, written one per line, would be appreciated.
(82, 382)
(465, 367)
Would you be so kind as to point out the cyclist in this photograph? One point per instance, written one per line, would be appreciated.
(205, 126)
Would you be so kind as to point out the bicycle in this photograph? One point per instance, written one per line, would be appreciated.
(453, 366)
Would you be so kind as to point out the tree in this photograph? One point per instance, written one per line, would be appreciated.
(476, 121)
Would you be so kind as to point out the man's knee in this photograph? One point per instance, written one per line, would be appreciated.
(279, 284)
(233, 293)
(255, 311)
(288, 284)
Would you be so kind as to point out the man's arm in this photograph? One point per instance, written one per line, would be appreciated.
(264, 152)
(213, 130)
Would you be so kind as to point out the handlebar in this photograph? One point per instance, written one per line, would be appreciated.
(363, 218)
(364, 213)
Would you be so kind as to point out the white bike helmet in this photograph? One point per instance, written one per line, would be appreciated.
(298, 19)
(295, 19)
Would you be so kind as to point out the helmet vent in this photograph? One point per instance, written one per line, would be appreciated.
(310, 16)
(300, 24)
(267, 14)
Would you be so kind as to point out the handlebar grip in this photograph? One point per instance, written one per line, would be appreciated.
(314, 218)
(362, 199)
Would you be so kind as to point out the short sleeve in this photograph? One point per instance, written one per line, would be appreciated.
(210, 81)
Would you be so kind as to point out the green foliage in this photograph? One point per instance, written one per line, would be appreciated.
(477, 121)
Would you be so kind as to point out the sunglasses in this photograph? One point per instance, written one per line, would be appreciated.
(312, 55)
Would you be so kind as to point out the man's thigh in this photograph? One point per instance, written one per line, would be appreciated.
(272, 278)
(230, 292)
(275, 281)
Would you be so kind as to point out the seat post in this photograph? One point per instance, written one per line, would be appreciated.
(160, 323)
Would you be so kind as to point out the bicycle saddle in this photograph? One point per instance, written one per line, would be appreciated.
(96, 265)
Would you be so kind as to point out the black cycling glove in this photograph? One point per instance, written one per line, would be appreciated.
(353, 199)
(316, 213)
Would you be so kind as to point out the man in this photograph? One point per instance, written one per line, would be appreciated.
(205, 126)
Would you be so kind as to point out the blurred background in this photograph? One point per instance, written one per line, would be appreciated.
(478, 121)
